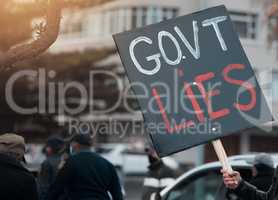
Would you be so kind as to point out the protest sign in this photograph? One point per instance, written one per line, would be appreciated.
(192, 79)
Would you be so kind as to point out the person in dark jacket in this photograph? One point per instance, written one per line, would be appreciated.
(262, 171)
(159, 175)
(16, 182)
(50, 166)
(86, 175)
(245, 190)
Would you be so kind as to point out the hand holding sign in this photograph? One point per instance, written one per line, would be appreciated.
(192, 80)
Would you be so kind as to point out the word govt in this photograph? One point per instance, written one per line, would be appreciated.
(163, 35)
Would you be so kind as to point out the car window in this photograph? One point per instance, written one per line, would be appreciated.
(102, 150)
(203, 186)
(133, 152)
(206, 186)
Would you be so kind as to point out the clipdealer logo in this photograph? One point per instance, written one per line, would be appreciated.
(52, 95)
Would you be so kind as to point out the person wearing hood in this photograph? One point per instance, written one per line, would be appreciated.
(262, 171)
(245, 190)
(159, 175)
(50, 167)
(16, 182)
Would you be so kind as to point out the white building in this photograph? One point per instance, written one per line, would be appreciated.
(93, 28)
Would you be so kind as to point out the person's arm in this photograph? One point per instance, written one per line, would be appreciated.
(115, 188)
(248, 191)
(31, 191)
(63, 178)
(44, 179)
(245, 190)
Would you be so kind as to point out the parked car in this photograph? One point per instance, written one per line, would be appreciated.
(132, 161)
(205, 182)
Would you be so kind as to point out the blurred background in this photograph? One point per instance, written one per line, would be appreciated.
(85, 44)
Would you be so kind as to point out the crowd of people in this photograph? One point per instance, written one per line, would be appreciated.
(71, 171)
(83, 175)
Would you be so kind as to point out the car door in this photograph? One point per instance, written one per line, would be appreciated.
(135, 163)
(204, 185)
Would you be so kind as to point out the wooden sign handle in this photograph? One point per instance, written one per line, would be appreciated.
(222, 156)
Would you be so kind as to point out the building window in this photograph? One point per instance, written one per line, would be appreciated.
(153, 16)
(73, 24)
(257, 74)
(134, 18)
(106, 26)
(272, 27)
(245, 24)
(142, 16)
(274, 85)
(169, 13)
(114, 21)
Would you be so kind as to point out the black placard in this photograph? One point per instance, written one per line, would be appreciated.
(192, 78)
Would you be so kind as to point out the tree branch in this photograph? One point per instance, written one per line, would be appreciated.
(40, 45)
